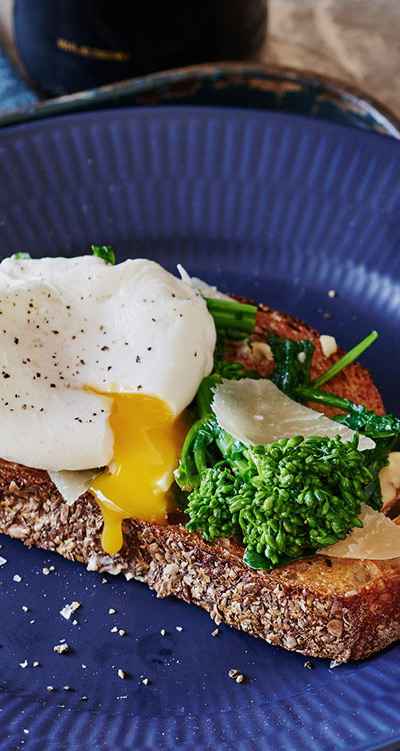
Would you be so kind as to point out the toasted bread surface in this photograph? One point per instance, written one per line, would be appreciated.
(325, 607)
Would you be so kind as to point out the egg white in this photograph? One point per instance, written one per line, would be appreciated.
(69, 324)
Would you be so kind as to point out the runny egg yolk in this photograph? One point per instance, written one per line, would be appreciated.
(147, 445)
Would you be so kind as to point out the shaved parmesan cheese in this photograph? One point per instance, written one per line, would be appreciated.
(378, 539)
(71, 485)
(258, 351)
(206, 290)
(389, 478)
(328, 344)
(257, 412)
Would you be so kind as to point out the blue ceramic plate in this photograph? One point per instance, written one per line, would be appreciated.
(276, 207)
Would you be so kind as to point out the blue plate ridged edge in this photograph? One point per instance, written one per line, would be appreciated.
(183, 730)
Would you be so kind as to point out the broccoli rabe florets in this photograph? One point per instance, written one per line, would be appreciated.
(297, 495)
(289, 498)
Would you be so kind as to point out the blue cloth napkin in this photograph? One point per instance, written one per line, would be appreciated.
(13, 90)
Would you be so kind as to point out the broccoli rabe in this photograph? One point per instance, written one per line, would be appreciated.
(208, 505)
(233, 320)
(234, 371)
(284, 499)
(289, 498)
(295, 495)
(292, 375)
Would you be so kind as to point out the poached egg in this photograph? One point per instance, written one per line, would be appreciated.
(97, 364)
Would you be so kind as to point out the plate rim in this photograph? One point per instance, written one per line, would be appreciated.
(137, 91)
(143, 111)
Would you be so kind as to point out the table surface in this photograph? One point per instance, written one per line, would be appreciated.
(354, 41)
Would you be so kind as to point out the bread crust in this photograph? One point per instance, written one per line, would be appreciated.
(324, 607)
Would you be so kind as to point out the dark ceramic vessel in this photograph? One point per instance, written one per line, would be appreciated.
(249, 85)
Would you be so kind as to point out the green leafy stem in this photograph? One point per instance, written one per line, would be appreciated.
(233, 320)
(286, 499)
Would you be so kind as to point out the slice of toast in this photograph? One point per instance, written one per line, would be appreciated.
(325, 607)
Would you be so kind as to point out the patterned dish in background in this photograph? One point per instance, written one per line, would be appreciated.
(248, 85)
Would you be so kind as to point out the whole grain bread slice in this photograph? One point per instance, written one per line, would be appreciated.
(324, 607)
